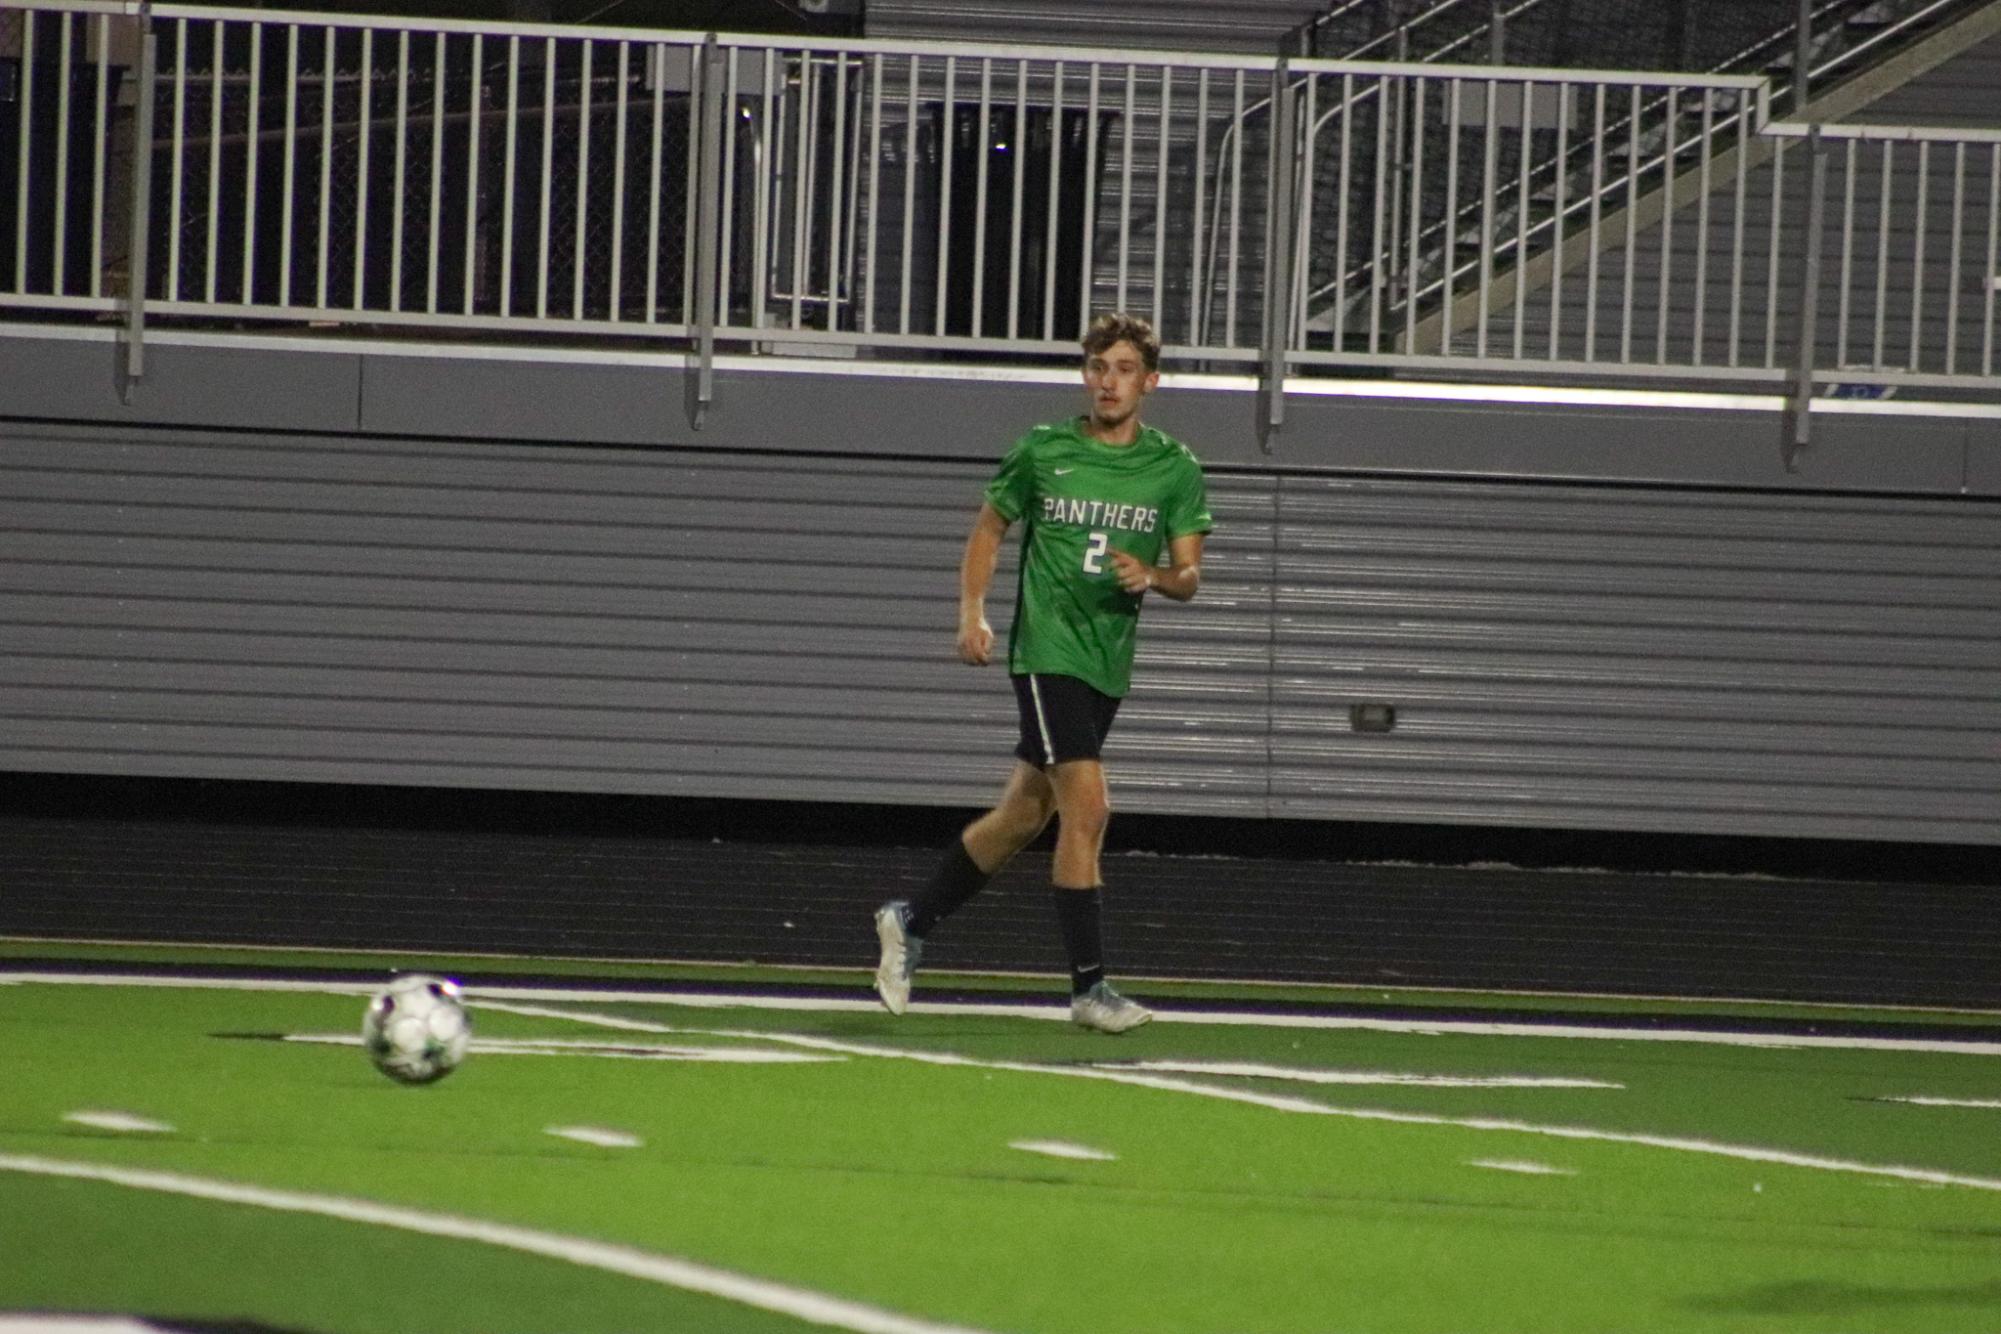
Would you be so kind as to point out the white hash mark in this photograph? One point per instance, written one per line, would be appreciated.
(1522, 1165)
(123, 1121)
(609, 1139)
(1056, 1148)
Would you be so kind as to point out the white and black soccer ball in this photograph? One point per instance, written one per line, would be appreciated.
(416, 1029)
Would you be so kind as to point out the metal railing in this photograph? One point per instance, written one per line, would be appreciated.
(1711, 36)
(1457, 201)
(187, 164)
(1571, 168)
(357, 170)
(56, 241)
(1904, 226)
(989, 197)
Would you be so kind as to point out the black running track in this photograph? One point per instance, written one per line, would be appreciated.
(279, 864)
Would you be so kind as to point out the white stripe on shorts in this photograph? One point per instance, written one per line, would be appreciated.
(1041, 723)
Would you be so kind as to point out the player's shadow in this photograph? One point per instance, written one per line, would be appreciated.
(1808, 1297)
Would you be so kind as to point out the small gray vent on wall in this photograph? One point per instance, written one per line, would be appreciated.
(1372, 717)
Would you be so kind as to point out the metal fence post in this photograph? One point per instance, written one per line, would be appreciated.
(708, 220)
(1802, 57)
(1281, 236)
(137, 260)
(1799, 408)
(1400, 283)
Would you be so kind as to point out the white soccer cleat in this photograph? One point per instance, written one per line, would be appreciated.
(900, 953)
(1106, 1011)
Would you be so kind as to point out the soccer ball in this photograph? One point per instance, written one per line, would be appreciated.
(415, 1029)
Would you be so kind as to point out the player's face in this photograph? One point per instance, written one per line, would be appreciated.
(1117, 379)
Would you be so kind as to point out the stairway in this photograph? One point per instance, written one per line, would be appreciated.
(1737, 36)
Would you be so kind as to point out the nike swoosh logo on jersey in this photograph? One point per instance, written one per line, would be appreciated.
(1061, 472)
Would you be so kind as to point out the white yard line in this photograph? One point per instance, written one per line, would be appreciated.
(1061, 1013)
(1282, 1103)
(171, 982)
(629, 1051)
(671, 1271)
(1140, 981)
(1369, 1078)
(1927, 1100)
(1160, 1082)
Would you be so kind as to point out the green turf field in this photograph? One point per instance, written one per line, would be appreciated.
(771, 1167)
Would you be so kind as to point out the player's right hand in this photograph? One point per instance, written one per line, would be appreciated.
(976, 642)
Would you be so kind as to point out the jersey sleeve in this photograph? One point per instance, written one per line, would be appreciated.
(1012, 490)
(1188, 510)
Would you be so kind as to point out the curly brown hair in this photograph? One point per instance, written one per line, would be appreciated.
(1119, 327)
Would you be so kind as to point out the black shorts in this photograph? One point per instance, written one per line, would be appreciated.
(1062, 718)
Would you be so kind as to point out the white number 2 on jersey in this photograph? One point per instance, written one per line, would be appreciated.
(1094, 556)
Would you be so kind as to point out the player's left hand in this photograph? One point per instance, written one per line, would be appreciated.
(1135, 575)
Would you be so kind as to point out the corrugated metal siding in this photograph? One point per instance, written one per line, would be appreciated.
(737, 625)
(690, 623)
(1200, 708)
(1640, 659)
(1248, 27)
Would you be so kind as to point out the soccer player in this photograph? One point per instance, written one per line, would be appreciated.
(1100, 497)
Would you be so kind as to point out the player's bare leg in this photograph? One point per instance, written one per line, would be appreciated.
(1025, 808)
(1083, 811)
(1084, 806)
(988, 843)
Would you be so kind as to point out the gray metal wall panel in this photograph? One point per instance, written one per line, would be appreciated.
(1199, 713)
(79, 374)
(1611, 658)
(778, 626)
(519, 398)
(792, 405)
(386, 611)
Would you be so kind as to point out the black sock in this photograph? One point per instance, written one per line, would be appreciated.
(957, 879)
(1078, 912)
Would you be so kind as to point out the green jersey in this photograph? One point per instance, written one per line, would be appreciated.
(1080, 499)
